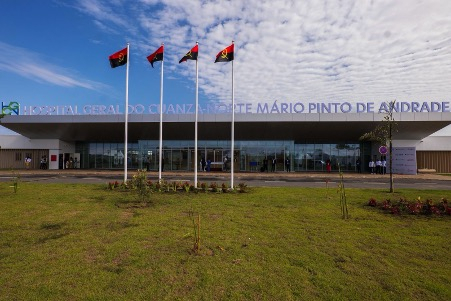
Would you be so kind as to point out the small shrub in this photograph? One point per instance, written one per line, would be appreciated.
(174, 186)
(448, 211)
(203, 186)
(224, 187)
(139, 183)
(16, 180)
(158, 186)
(113, 185)
(372, 202)
(165, 186)
(125, 185)
(435, 210)
(243, 187)
(196, 231)
(186, 187)
(386, 204)
(416, 207)
(214, 187)
(395, 210)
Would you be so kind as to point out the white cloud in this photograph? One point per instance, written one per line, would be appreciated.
(299, 50)
(30, 65)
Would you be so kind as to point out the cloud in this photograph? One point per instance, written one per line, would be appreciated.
(102, 11)
(30, 65)
(298, 50)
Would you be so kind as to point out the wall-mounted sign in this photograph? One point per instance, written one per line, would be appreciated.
(383, 150)
(9, 109)
(276, 107)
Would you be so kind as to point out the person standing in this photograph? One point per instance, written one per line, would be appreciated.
(148, 163)
(265, 164)
(287, 164)
(378, 166)
(274, 162)
(357, 164)
(27, 162)
(328, 167)
(45, 162)
(371, 166)
(226, 160)
(202, 163)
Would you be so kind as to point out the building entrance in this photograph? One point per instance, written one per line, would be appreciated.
(255, 156)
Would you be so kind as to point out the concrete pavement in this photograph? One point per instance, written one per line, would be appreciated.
(256, 178)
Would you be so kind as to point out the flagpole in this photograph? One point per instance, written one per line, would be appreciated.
(126, 116)
(161, 122)
(233, 130)
(195, 123)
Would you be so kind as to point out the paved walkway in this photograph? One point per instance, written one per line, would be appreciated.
(238, 175)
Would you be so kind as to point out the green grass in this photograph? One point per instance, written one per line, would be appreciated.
(83, 242)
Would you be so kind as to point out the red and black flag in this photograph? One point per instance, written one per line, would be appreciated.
(191, 55)
(225, 55)
(156, 56)
(119, 58)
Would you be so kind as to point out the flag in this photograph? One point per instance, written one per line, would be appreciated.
(119, 58)
(226, 55)
(191, 55)
(156, 56)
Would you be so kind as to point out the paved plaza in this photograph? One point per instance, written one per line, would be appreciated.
(272, 179)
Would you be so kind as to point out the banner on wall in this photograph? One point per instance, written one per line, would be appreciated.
(404, 161)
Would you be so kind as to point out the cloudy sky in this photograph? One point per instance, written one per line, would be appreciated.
(55, 52)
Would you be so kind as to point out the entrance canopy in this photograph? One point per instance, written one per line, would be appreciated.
(339, 127)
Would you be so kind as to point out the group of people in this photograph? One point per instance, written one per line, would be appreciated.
(378, 167)
(71, 163)
(265, 168)
(42, 163)
(205, 165)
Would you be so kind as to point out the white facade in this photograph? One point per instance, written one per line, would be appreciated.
(53, 146)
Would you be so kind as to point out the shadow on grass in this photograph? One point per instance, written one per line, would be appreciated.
(52, 231)
(128, 204)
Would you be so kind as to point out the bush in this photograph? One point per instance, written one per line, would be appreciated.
(144, 187)
(243, 187)
(214, 187)
(416, 207)
(224, 187)
(140, 184)
(372, 202)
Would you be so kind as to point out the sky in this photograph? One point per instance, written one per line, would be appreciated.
(55, 52)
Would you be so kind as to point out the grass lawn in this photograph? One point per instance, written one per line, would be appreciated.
(83, 242)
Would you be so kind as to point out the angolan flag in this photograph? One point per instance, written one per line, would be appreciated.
(225, 55)
(191, 55)
(156, 56)
(119, 58)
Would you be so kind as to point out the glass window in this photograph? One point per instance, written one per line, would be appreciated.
(18, 156)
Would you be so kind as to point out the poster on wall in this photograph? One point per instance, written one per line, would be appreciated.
(404, 161)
